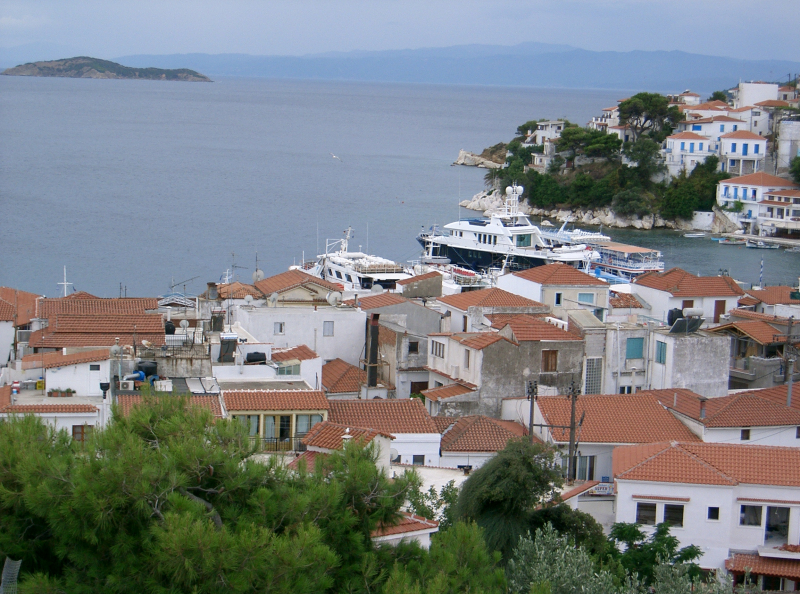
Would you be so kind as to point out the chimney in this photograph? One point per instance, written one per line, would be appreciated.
(703, 407)
(169, 313)
(674, 400)
(372, 351)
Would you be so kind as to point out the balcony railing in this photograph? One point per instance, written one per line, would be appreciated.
(277, 444)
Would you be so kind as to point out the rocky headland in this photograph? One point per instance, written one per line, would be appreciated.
(473, 160)
(85, 67)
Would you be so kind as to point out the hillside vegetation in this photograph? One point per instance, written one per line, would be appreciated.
(85, 67)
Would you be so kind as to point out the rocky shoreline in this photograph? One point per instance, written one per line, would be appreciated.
(716, 222)
(472, 160)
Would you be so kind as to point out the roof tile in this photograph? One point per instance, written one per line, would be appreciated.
(299, 353)
(770, 566)
(407, 415)
(682, 284)
(624, 301)
(285, 281)
(736, 410)
(408, 523)
(57, 359)
(340, 377)
(330, 435)
(377, 301)
(778, 295)
(444, 392)
(413, 279)
(266, 400)
(24, 409)
(487, 298)
(127, 402)
(560, 274)
(24, 303)
(758, 330)
(760, 179)
(89, 305)
(480, 434)
(535, 330)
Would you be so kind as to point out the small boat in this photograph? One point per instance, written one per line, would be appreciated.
(760, 245)
(732, 241)
(794, 250)
(694, 234)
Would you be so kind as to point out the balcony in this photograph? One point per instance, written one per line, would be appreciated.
(279, 445)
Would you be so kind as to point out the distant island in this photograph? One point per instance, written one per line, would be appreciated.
(84, 67)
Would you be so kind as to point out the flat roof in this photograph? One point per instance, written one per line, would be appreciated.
(623, 247)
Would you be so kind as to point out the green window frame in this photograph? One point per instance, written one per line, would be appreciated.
(661, 352)
(634, 348)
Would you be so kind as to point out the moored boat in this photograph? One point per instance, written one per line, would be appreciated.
(760, 245)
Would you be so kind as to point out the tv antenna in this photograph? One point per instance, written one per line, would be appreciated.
(64, 282)
(183, 282)
(234, 266)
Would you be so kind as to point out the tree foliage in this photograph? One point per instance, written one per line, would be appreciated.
(718, 96)
(794, 169)
(649, 114)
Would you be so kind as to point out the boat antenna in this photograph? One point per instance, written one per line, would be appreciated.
(64, 282)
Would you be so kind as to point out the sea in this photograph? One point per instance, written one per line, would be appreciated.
(139, 188)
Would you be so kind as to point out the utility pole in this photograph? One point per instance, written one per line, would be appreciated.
(533, 392)
(789, 384)
(787, 345)
(573, 396)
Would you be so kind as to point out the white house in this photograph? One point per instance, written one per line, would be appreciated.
(327, 437)
(7, 315)
(473, 440)
(779, 210)
(750, 93)
(788, 143)
(545, 130)
(742, 152)
(750, 190)
(684, 150)
(410, 528)
(466, 312)
(261, 362)
(727, 499)
(416, 437)
(712, 127)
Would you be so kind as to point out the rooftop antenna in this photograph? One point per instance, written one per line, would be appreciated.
(183, 282)
(258, 274)
(234, 266)
(64, 282)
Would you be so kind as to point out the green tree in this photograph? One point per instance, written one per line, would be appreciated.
(649, 114)
(438, 506)
(718, 96)
(645, 152)
(581, 528)
(502, 495)
(602, 144)
(572, 140)
(794, 169)
(631, 202)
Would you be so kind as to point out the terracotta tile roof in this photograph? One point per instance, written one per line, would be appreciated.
(748, 301)
(772, 103)
(86, 306)
(406, 415)
(451, 378)
(790, 193)
(6, 311)
(479, 434)
(408, 523)
(24, 409)
(560, 274)
(753, 315)
(478, 340)
(499, 321)
(487, 298)
(760, 179)
(778, 295)
(708, 463)
(376, 301)
(5, 396)
(569, 494)
(57, 359)
(770, 566)
(774, 203)
(81, 295)
(258, 400)
(736, 410)
(299, 353)
(126, 402)
(687, 136)
(623, 301)
(682, 284)
(413, 279)
(617, 418)
(290, 279)
(40, 339)
(743, 135)
(237, 290)
(444, 392)
(758, 330)
(310, 458)
(776, 394)
(533, 330)
(340, 377)
(67, 330)
(386, 336)
(661, 498)
(24, 302)
(329, 435)
(716, 118)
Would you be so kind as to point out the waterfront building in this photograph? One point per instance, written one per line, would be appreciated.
(548, 130)
(685, 150)
(779, 210)
(749, 190)
(609, 117)
(712, 127)
(742, 152)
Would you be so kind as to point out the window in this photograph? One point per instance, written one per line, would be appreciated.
(327, 328)
(251, 422)
(549, 361)
(278, 328)
(691, 147)
(524, 240)
(750, 515)
(646, 514)
(696, 127)
(797, 433)
(413, 346)
(584, 468)
(418, 460)
(586, 298)
(81, 432)
(687, 303)
(661, 352)
(94, 367)
(594, 376)
(683, 146)
(735, 128)
(755, 149)
(722, 127)
(558, 299)
(338, 274)
(348, 278)
(634, 348)
(289, 369)
(626, 389)
(701, 147)
(437, 349)
(745, 434)
(306, 422)
(673, 514)
(713, 513)
(733, 146)
(466, 358)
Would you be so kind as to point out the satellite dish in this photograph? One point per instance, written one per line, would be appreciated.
(184, 324)
(248, 299)
(377, 289)
(273, 299)
(394, 454)
(258, 275)
(334, 298)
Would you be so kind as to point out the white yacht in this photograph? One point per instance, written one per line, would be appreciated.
(507, 241)
(354, 271)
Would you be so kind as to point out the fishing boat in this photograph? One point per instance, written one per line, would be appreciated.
(732, 241)
(760, 245)
(507, 240)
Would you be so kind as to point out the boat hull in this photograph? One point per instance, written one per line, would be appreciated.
(478, 259)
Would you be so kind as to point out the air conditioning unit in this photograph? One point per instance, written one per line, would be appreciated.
(126, 385)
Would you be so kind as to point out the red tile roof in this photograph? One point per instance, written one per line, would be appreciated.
(126, 402)
(760, 179)
(487, 298)
(569, 494)
(560, 274)
(682, 284)
(330, 435)
(6, 311)
(291, 279)
(533, 330)
(408, 523)
(340, 377)
(50, 360)
(5, 396)
(743, 135)
(736, 410)
(68, 330)
(478, 340)
(617, 418)
(24, 409)
(24, 302)
(753, 315)
(407, 415)
(759, 331)
(90, 305)
(413, 279)
(444, 392)
(708, 463)
(479, 434)
(687, 136)
(716, 118)
(772, 103)
(237, 290)
(299, 353)
(747, 301)
(790, 193)
(376, 301)
(269, 400)
(500, 320)
(776, 394)
(771, 566)
(387, 336)
(310, 458)
(624, 301)
(778, 295)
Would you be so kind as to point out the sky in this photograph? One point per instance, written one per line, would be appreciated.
(754, 29)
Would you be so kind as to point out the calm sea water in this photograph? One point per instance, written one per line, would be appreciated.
(148, 183)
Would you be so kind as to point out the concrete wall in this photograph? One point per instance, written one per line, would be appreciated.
(410, 444)
(456, 459)
(6, 341)
(619, 371)
(199, 366)
(771, 436)
(788, 143)
(79, 378)
(662, 301)
(415, 318)
(698, 362)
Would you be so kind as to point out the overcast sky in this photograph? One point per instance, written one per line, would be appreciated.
(739, 28)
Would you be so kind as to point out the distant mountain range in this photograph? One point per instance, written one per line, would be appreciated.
(525, 65)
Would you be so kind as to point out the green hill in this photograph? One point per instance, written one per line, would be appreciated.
(85, 67)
